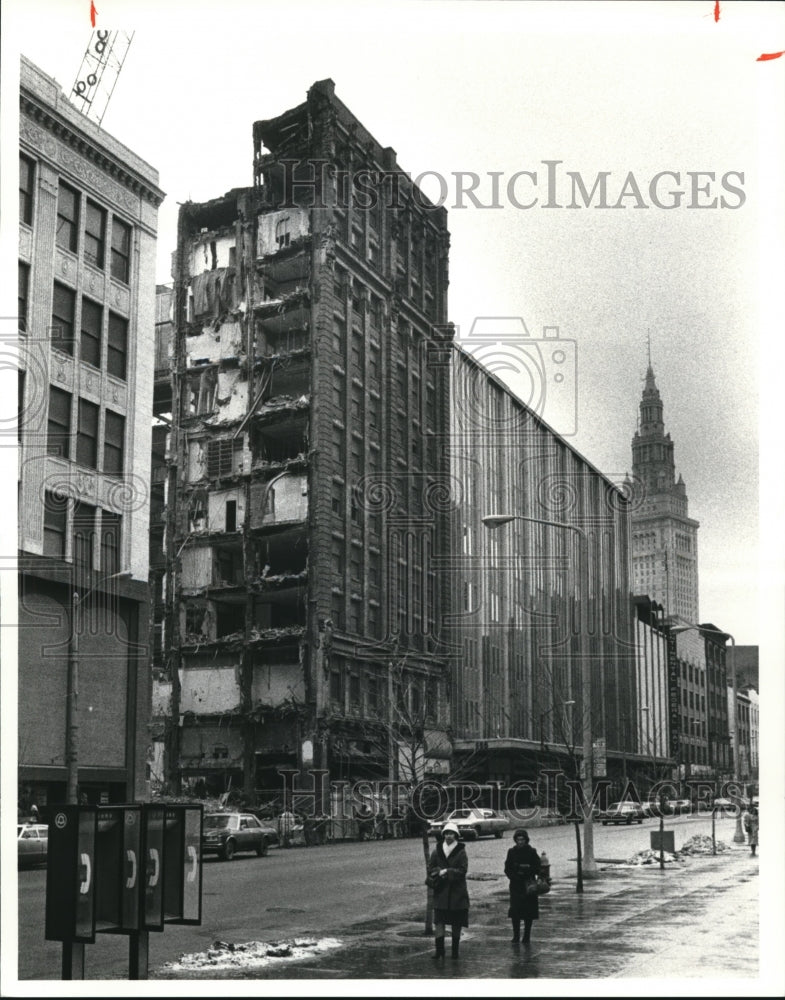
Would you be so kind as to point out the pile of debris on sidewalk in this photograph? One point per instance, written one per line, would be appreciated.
(649, 857)
(250, 954)
(702, 844)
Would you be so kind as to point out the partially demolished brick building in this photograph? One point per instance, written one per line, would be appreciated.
(304, 417)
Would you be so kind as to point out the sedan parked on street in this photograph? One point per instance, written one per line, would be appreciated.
(32, 841)
(230, 833)
(474, 823)
(622, 812)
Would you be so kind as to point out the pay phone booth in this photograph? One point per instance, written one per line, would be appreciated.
(125, 869)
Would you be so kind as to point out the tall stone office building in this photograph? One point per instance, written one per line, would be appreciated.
(88, 211)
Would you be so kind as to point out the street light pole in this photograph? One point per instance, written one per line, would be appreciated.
(589, 863)
(738, 836)
(72, 688)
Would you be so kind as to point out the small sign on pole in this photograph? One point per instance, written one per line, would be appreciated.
(600, 759)
(664, 841)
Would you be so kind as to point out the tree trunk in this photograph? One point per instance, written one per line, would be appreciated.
(579, 886)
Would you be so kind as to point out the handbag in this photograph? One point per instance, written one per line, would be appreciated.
(435, 881)
(542, 886)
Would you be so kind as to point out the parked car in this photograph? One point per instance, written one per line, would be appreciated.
(32, 841)
(230, 833)
(474, 823)
(622, 812)
(680, 807)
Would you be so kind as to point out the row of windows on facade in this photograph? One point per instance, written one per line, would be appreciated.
(73, 206)
(104, 345)
(86, 531)
(85, 446)
(410, 701)
(364, 617)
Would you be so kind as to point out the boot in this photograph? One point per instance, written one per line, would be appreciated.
(516, 931)
(439, 949)
(527, 931)
(456, 940)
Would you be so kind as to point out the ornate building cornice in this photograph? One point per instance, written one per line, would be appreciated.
(68, 135)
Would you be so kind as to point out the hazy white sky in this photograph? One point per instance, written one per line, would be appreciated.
(501, 87)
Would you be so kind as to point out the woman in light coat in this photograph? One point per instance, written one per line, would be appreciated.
(447, 869)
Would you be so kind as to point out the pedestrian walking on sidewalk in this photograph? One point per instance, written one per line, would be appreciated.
(522, 867)
(447, 869)
(751, 824)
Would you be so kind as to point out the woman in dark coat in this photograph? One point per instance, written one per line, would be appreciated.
(521, 867)
(447, 869)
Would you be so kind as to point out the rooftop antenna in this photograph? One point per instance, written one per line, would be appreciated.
(97, 76)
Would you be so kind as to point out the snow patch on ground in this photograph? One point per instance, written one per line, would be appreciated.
(701, 844)
(252, 954)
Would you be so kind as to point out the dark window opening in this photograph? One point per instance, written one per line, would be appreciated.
(92, 321)
(59, 423)
(26, 180)
(94, 235)
(63, 309)
(121, 250)
(67, 217)
(55, 512)
(111, 525)
(23, 295)
(114, 438)
(117, 347)
(87, 435)
(231, 515)
(84, 535)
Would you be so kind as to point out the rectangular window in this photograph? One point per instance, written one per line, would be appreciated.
(121, 250)
(374, 695)
(117, 347)
(63, 310)
(336, 686)
(23, 296)
(338, 452)
(84, 535)
(231, 515)
(67, 217)
(59, 423)
(337, 553)
(111, 524)
(92, 321)
(87, 435)
(339, 338)
(26, 180)
(339, 398)
(114, 437)
(355, 617)
(376, 312)
(55, 509)
(94, 235)
(223, 456)
(337, 499)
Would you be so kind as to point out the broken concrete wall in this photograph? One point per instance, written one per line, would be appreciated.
(197, 567)
(161, 697)
(231, 397)
(287, 499)
(212, 251)
(211, 346)
(278, 230)
(210, 682)
(197, 458)
(275, 684)
(217, 509)
(211, 744)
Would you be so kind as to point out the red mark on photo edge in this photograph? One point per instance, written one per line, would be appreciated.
(770, 55)
(716, 11)
(93, 12)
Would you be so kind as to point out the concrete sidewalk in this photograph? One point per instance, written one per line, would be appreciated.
(697, 919)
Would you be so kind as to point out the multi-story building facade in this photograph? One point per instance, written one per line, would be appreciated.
(664, 536)
(309, 406)
(87, 231)
(653, 720)
(700, 720)
(533, 602)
